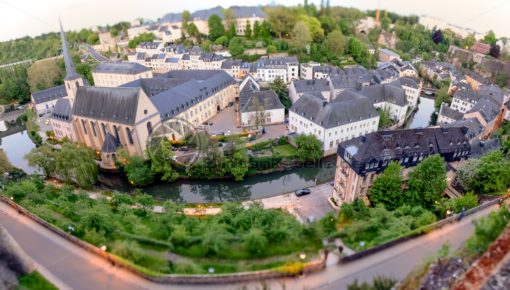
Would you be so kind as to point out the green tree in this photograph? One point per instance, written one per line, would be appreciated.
(231, 31)
(93, 38)
(281, 20)
(76, 163)
(309, 148)
(314, 27)
(137, 170)
(469, 40)
(43, 157)
(487, 230)
(185, 17)
(256, 30)
(5, 164)
(280, 88)
(193, 31)
(385, 23)
(44, 74)
(247, 31)
(501, 79)
(385, 119)
(238, 164)
(387, 187)
(492, 174)
(236, 46)
(301, 37)
(427, 182)
(490, 38)
(85, 70)
(335, 42)
(161, 157)
(216, 28)
(144, 37)
(359, 52)
(255, 241)
(215, 239)
(467, 173)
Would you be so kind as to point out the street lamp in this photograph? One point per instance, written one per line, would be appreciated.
(302, 256)
(103, 248)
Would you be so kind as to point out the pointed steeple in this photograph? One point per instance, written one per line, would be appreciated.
(70, 71)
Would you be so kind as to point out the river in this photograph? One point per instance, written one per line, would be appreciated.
(15, 147)
(421, 118)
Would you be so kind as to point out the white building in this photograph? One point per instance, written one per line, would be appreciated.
(347, 116)
(44, 101)
(269, 69)
(114, 74)
(150, 48)
(306, 70)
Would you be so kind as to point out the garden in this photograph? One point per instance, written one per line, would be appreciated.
(237, 239)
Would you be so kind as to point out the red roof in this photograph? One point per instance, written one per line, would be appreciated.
(480, 47)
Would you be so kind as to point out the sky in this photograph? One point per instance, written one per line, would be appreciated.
(19, 18)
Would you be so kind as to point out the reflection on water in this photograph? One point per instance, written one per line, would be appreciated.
(15, 147)
(421, 118)
(254, 187)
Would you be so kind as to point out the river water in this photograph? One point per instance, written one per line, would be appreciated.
(421, 118)
(200, 191)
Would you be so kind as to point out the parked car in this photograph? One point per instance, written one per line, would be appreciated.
(302, 192)
(183, 148)
(230, 104)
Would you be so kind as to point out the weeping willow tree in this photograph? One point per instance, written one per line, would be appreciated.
(75, 163)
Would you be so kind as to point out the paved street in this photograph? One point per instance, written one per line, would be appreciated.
(77, 269)
(224, 121)
(315, 204)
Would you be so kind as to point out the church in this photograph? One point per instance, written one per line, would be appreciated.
(107, 118)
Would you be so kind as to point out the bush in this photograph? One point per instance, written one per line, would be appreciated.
(487, 230)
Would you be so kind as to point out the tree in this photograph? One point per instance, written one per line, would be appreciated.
(247, 31)
(137, 170)
(495, 51)
(265, 30)
(93, 38)
(5, 164)
(437, 36)
(335, 42)
(280, 88)
(442, 97)
(238, 164)
(327, 24)
(387, 187)
(427, 182)
(44, 74)
(309, 148)
(255, 241)
(76, 163)
(467, 173)
(229, 17)
(231, 31)
(385, 23)
(216, 239)
(43, 157)
(216, 28)
(193, 31)
(256, 29)
(314, 27)
(144, 37)
(384, 117)
(281, 20)
(301, 37)
(235, 46)
(359, 52)
(85, 70)
(161, 157)
(469, 40)
(185, 16)
(490, 38)
(492, 174)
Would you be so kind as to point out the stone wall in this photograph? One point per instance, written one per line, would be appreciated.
(13, 261)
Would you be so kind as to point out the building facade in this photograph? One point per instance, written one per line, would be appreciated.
(114, 74)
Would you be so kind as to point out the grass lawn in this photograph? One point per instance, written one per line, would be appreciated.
(286, 150)
(35, 281)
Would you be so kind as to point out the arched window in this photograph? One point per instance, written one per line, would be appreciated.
(116, 131)
(103, 126)
(130, 137)
(93, 125)
(77, 84)
(149, 127)
(84, 125)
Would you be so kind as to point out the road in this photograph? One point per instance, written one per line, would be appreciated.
(96, 55)
(71, 267)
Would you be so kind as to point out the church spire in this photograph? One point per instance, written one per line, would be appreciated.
(70, 71)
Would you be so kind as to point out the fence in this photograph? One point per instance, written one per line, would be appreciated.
(418, 232)
(310, 267)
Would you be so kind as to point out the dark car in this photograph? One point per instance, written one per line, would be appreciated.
(302, 192)
(183, 148)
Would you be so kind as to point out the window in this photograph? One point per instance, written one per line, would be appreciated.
(116, 131)
(130, 137)
(103, 126)
(149, 127)
(93, 125)
(84, 126)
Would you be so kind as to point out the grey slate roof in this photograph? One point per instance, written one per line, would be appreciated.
(303, 86)
(384, 72)
(380, 146)
(208, 57)
(229, 64)
(326, 69)
(63, 110)
(171, 18)
(474, 128)
(346, 108)
(492, 91)
(204, 14)
(201, 84)
(276, 62)
(385, 93)
(109, 104)
(482, 147)
(450, 113)
(408, 82)
(149, 45)
(469, 96)
(50, 94)
(487, 107)
(110, 144)
(248, 11)
(351, 78)
(262, 101)
(120, 68)
(154, 86)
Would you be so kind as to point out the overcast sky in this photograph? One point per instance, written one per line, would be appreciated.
(32, 17)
